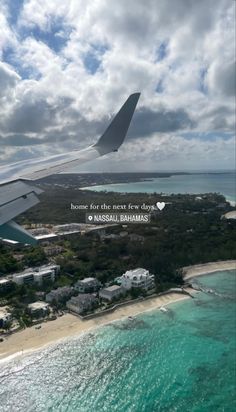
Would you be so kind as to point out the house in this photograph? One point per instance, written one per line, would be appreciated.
(137, 278)
(111, 292)
(59, 294)
(88, 285)
(82, 303)
(39, 309)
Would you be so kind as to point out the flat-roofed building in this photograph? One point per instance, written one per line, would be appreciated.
(59, 294)
(55, 268)
(67, 228)
(111, 292)
(137, 278)
(82, 303)
(88, 285)
(39, 309)
(44, 275)
(5, 284)
(24, 278)
(38, 275)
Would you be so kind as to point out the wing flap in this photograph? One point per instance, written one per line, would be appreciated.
(16, 198)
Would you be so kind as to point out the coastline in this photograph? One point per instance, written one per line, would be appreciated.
(230, 215)
(207, 268)
(67, 326)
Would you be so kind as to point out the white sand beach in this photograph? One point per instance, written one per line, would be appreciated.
(69, 325)
(230, 215)
(206, 268)
(31, 339)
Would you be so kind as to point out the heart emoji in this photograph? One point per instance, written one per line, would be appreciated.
(160, 205)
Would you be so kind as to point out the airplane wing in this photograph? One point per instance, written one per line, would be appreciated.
(17, 194)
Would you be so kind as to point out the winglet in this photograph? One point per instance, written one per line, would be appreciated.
(115, 134)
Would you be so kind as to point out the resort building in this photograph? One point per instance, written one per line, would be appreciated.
(39, 309)
(111, 292)
(59, 294)
(37, 275)
(24, 278)
(67, 228)
(88, 285)
(44, 275)
(55, 268)
(137, 278)
(82, 303)
(5, 284)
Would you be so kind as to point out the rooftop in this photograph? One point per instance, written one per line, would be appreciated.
(22, 275)
(2, 281)
(136, 274)
(87, 280)
(81, 299)
(63, 289)
(38, 305)
(36, 270)
(112, 288)
(42, 272)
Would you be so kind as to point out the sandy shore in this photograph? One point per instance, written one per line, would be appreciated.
(230, 215)
(205, 268)
(31, 339)
(69, 325)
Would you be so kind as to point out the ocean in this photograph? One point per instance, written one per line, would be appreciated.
(182, 360)
(224, 183)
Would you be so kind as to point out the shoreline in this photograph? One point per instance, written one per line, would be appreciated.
(207, 268)
(30, 339)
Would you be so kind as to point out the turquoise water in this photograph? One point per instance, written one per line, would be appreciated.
(182, 360)
(223, 183)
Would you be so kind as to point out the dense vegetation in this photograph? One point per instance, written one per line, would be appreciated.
(31, 256)
(187, 231)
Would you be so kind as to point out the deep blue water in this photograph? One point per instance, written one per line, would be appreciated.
(183, 361)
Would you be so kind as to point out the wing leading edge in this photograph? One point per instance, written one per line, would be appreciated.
(17, 196)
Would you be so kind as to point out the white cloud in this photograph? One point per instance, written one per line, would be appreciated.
(178, 54)
(168, 152)
(7, 35)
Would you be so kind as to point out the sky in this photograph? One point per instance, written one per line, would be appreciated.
(67, 67)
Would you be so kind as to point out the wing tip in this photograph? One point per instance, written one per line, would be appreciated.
(135, 95)
(115, 133)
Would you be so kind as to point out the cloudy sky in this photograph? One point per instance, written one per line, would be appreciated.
(67, 67)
